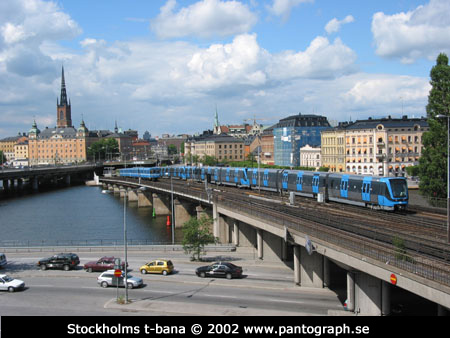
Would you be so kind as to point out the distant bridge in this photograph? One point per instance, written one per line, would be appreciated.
(37, 175)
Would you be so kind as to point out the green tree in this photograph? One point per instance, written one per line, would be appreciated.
(172, 149)
(106, 147)
(433, 162)
(2, 157)
(197, 234)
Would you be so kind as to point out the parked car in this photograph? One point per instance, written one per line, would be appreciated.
(107, 278)
(2, 260)
(11, 284)
(219, 269)
(103, 264)
(157, 266)
(64, 261)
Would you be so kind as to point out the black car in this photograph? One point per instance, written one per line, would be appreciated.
(219, 269)
(64, 261)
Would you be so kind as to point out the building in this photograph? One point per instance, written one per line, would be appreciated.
(221, 147)
(333, 148)
(176, 141)
(64, 143)
(383, 147)
(21, 153)
(310, 157)
(294, 132)
(238, 130)
(7, 146)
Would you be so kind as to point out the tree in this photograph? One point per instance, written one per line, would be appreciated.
(433, 162)
(2, 157)
(100, 149)
(197, 234)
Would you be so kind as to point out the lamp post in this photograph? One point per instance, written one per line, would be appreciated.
(441, 116)
(125, 244)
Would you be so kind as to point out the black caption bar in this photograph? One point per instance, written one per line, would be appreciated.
(218, 326)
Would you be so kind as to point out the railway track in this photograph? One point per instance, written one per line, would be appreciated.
(413, 233)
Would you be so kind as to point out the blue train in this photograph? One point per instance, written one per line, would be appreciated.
(387, 193)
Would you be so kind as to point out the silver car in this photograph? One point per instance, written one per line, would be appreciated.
(107, 278)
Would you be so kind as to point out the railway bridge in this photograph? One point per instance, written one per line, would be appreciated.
(372, 268)
(41, 175)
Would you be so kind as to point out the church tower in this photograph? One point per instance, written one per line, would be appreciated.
(63, 110)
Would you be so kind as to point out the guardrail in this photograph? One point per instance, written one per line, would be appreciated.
(100, 245)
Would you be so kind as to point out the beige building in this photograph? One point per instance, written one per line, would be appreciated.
(383, 147)
(221, 147)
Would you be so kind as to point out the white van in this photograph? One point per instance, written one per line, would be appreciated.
(2, 260)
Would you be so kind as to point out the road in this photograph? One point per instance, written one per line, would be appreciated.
(266, 289)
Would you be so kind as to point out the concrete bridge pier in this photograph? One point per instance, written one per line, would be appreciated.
(182, 212)
(67, 180)
(5, 185)
(201, 212)
(372, 295)
(132, 195)
(144, 200)
(122, 191)
(111, 187)
(116, 189)
(161, 205)
(34, 183)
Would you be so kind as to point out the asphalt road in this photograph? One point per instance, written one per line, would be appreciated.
(266, 289)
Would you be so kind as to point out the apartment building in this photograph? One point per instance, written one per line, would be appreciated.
(383, 147)
(221, 147)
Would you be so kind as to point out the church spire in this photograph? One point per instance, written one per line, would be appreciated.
(63, 100)
(63, 109)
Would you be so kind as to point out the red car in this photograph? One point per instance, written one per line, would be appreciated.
(103, 264)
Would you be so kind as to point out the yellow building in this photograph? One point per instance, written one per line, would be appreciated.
(7, 146)
(333, 149)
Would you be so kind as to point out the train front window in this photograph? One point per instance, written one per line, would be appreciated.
(399, 188)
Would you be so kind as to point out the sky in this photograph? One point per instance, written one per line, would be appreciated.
(165, 66)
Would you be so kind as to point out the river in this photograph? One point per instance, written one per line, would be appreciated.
(78, 214)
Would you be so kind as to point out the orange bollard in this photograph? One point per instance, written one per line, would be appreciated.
(168, 221)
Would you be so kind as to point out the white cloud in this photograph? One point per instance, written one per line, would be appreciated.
(206, 18)
(334, 25)
(385, 89)
(283, 8)
(26, 25)
(420, 33)
(321, 59)
(238, 63)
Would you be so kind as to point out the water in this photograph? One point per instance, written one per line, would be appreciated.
(78, 213)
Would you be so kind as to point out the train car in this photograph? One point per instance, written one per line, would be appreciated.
(234, 176)
(152, 173)
(304, 183)
(268, 179)
(387, 193)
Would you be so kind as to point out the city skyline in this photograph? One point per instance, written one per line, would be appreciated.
(164, 66)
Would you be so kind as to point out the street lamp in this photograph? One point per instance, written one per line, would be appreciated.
(441, 116)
